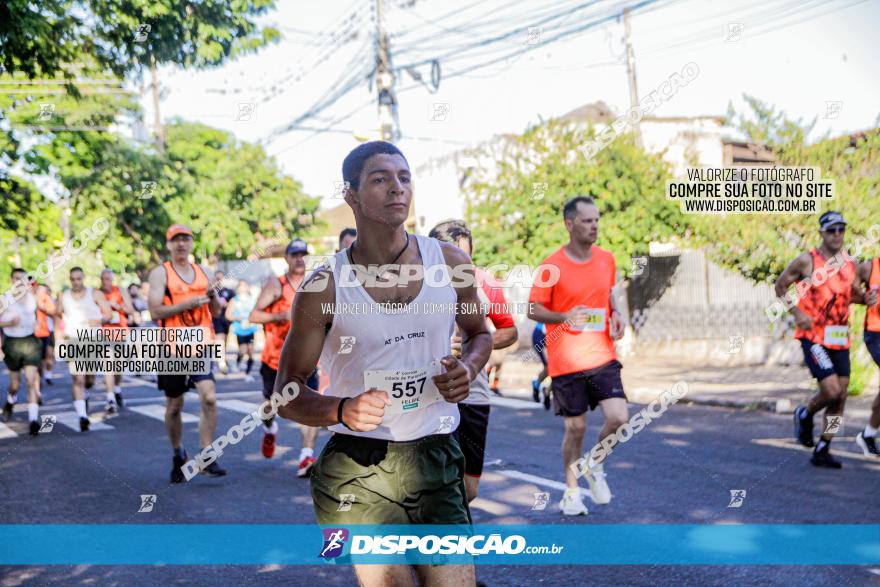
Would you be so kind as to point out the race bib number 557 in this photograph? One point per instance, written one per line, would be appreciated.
(410, 390)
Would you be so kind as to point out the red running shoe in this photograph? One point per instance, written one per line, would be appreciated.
(305, 466)
(268, 447)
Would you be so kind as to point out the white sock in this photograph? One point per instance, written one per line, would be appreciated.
(80, 406)
(118, 390)
(111, 399)
(33, 412)
(571, 491)
(871, 432)
(10, 398)
(273, 429)
(306, 452)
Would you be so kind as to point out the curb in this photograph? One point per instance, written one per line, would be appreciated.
(645, 395)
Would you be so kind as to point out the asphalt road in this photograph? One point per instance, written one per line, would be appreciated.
(679, 470)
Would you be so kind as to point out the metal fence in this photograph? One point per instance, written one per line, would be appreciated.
(683, 295)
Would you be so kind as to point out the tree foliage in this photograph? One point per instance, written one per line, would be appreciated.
(515, 220)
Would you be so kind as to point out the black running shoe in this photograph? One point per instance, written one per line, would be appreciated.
(35, 427)
(177, 469)
(803, 426)
(868, 444)
(546, 399)
(536, 390)
(84, 424)
(119, 403)
(111, 408)
(49, 381)
(823, 458)
(214, 470)
(7, 411)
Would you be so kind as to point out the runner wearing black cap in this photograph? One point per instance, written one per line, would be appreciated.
(826, 285)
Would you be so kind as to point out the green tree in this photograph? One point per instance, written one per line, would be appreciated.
(49, 37)
(516, 221)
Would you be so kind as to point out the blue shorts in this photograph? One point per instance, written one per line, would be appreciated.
(822, 361)
(538, 339)
(872, 341)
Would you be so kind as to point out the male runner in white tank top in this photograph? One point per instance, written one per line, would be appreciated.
(394, 383)
(21, 349)
(80, 307)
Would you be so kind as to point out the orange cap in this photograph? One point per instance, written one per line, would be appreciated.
(176, 229)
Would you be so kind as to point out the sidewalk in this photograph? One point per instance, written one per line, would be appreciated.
(757, 387)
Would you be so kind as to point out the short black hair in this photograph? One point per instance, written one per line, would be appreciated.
(77, 268)
(354, 162)
(347, 232)
(569, 211)
(450, 231)
(16, 270)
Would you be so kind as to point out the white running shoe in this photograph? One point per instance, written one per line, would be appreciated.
(249, 378)
(600, 493)
(571, 504)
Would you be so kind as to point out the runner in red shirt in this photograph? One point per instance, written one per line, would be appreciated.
(120, 304)
(582, 324)
(475, 408)
(273, 312)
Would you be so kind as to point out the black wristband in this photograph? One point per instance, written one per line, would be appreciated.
(339, 412)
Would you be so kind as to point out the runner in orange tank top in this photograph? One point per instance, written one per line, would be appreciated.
(826, 284)
(46, 310)
(273, 312)
(869, 276)
(181, 297)
(120, 304)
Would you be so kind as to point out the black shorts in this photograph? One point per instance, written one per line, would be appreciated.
(221, 325)
(47, 342)
(872, 341)
(21, 351)
(244, 338)
(471, 435)
(575, 393)
(822, 361)
(269, 374)
(177, 385)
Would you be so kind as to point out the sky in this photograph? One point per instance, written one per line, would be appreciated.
(810, 59)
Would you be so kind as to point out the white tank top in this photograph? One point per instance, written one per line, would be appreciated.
(26, 309)
(78, 313)
(391, 341)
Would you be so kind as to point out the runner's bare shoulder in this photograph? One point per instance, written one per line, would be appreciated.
(316, 289)
(460, 264)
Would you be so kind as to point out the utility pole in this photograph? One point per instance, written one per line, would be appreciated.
(389, 125)
(631, 72)
(157, 117)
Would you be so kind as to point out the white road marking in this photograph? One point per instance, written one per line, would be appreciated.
(790, 443)
(236, 405)
(71, 420)
(538, 480)
(7, 432)
(157, 411)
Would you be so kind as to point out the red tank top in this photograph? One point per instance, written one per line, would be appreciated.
(177, 290)
(276, 332)
(827, 303)
(116, 297)
(872, 315)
